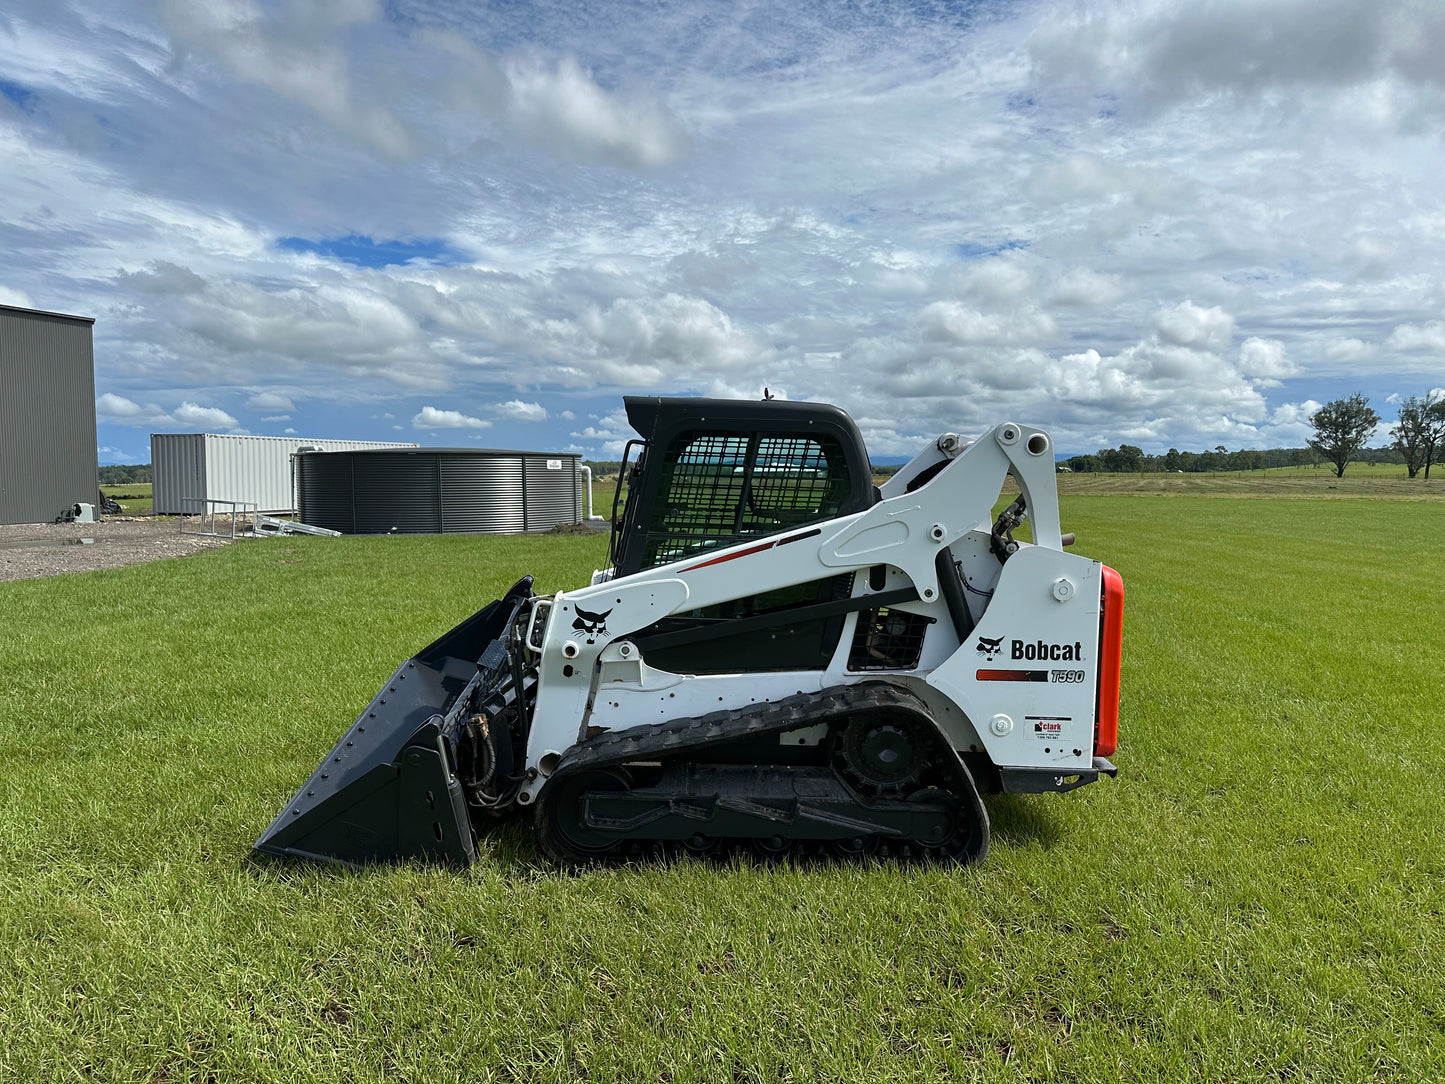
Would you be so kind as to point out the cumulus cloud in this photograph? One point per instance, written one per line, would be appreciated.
(118, 407)
(122, 411)
(558, 103)
(645, 340)
(202, 417)
(1264, 360)
(1083, 287)
(339, 324)
(19, 298)
(961, 324)
(564, 102)
(269, 400)
(611, 432)
(518, 411)
(1289, 424)
(1418, 338)
(1191, 325)
(297, 56)
(1171, 52)
(432, 418)
(1349, 349)
(996, 306)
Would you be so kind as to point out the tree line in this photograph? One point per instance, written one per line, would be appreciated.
(1341, 428)
(133, 474)
(1127, 458)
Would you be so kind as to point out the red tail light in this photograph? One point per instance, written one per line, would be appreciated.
(1111, 651)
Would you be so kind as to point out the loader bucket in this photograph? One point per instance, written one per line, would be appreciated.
(388, 790)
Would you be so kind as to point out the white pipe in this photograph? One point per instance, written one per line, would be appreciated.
(585, 469)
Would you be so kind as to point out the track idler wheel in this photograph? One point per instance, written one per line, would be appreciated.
(966, 839)
(561, 813)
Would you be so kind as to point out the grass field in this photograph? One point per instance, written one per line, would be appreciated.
(1260, 895)
(134, 499)
(1366, 481)
(1362, 480)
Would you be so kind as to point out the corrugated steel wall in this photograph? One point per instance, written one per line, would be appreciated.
(233, 467)
(553, 491)
(484, 494)
(429, 491)
(47, 415)
(395, 492)
(178, 470)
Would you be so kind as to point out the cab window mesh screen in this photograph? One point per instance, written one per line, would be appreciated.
(888, 640)
(721, 487)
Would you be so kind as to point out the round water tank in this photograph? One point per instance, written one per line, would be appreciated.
(438, 490)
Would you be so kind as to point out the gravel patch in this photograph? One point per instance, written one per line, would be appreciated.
(31, 550)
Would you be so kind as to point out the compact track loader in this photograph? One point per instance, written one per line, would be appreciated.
(781, 656)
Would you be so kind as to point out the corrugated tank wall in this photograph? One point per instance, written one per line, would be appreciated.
(553, 491)
(482, 494)
(47, 415)
(395, 493)
(438, 490)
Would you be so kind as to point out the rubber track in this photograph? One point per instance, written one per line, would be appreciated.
(685, 737)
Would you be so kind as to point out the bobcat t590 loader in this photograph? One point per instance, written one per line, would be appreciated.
(781, 656)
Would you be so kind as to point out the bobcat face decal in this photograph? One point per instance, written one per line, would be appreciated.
(989, 648)
(591, 624)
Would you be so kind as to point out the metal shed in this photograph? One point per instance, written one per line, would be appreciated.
(192, 467)
(439, 491)
(47, 414)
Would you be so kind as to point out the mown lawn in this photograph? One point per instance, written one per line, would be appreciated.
(135, 499)
(1258, 897)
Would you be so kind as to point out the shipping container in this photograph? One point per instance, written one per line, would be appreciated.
(439, 491)
(191, 467)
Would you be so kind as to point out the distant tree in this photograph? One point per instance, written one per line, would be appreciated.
(1172, 460)
(1412, 432)
(1126, 457)
(1130, 457)
(1083, 464)
(1435, 416)
(1341, 429)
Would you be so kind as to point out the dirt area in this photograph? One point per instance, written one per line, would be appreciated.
(31, 550)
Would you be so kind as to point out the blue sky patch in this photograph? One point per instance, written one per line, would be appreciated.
(972, 250)
(363, 251)
(24, 97)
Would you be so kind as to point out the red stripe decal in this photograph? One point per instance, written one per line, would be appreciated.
(756, 549)
(731, 556)
(1013, 675)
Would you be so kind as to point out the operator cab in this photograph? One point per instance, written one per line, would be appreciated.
(712, 472)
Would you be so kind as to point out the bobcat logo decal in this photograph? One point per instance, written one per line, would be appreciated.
(592, 624)
(989, 648)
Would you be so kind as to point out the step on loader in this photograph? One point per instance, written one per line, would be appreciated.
(780, 656)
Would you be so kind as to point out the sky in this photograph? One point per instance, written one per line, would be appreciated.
(471, 223)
